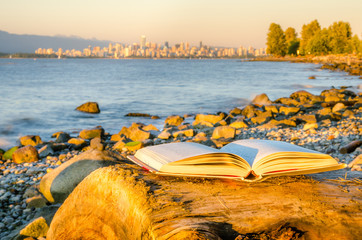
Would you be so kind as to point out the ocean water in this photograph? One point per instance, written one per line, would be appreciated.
(38, 96)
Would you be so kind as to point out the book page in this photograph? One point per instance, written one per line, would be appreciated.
(253, 150)
(159, 155)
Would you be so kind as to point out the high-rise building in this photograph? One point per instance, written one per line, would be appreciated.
(143, 41)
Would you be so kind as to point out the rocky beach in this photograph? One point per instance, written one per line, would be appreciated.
(45, 184)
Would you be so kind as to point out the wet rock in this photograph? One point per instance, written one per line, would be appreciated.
(89, 107)
(26, 154)
(186, 133)
(62, 137)
(45, 151)
(289, 111)
(262, 118)
(164, 135)
(133, 146)
(174, 120)
(91, 133)
(37, 228)
(32, 140)
(261, 100)
(207, 119)
(9, 153)
(223, 132)
(239, 124)
(59, 183)
(96, 143)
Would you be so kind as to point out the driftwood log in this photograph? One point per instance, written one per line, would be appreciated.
(124, 202)
(350, 147)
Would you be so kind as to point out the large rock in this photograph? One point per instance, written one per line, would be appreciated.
(262, 118)
(261, 100)
(89, 107)
(288, 111)
(208, 118)
(32, 140)
(173, 120)
(59, 183)
(9, 153)
(91, 133)
(302, 96)
(223, 132)
(36, 229)
(135, 132)
(26, 154)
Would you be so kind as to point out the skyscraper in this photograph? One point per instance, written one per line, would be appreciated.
(143, 41)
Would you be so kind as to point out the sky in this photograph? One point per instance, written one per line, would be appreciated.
(227, 23)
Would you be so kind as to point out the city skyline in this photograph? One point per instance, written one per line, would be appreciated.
(229, 24)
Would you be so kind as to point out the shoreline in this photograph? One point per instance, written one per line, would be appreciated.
(325, 123)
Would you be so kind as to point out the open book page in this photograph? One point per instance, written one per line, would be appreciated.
(159, 155)
(253, 150)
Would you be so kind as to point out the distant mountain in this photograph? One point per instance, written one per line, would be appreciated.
(16, 43)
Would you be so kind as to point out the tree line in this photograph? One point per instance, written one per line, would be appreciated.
(336, 39)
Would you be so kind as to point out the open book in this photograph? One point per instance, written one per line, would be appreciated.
(248, 160)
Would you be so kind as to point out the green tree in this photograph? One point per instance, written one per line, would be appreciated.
(308, 32)
(340, 33)
(356, 44)
(276, 43)
(291, 40)
(319, 44)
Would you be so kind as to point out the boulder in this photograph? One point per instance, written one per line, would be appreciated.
(36, 202)
(173, 120)
(278, 123)
(235, 111)
(62, 137)
(239, 123)
(9, 153)
(308, 126)
(77, 143)
(26, 154)
(120, 144)
(36, 229)
(306, 118)
(32, 140)
(272, 108)
(287, 101)
(92, 133)
(133, 146)
(250, 111)
(200, 137)
(223, 132)
(116, 137)
(262, 118)
(89, 107)
(45, 151)
(302, 96)
(208, 118)
(150, 127)
(59, 183)
(338, 107)
(186, 133)
(261, 100)
(165, 134)
(289, 111)
(96, 143)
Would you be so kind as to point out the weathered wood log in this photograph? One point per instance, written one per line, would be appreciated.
(350, 147)
(114, 203)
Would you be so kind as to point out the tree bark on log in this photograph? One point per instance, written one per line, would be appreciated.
(124, 202)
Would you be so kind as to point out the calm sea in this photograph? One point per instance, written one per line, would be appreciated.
(38, 96)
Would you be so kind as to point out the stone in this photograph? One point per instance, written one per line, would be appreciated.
(96, 143)
(62, 137)
(272, 108)
(138, 115)
(302, 96)
(164, 135)
(348, 113)
(77, 143)
(25, 154)
(289, 111)
(306, 118)
(223, 132)
(356, 162)
(200, 137)
(58, 146)
(120, 145)
(9, 153)
(91, 133)
(37, 228)
(333, 99)
(186, 133)
(59, 183)
(261, 100)
(338, 107)
(278, 123)
(89, 107)
(32, 140)
(116, 137)
(174, 120)
(262, 118)
(235, 111)
(45, 151)
(308, 126)
(36, 202)
(150, 127)
(287, 101)
(134, 146)
(208, 118)
(239, 123)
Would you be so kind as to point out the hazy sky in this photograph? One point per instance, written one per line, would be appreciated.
(216, 23)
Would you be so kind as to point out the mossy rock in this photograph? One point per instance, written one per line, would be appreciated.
(9, 153)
